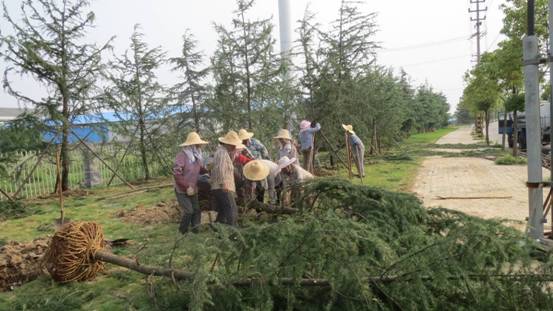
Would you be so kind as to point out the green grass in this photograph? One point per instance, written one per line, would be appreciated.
(396, 170)
(508, 159)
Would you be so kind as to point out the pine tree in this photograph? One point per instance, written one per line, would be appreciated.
(191, 87)
(137, 96)
(47, 46)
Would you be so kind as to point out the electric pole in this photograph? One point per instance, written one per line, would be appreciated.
(478, 19)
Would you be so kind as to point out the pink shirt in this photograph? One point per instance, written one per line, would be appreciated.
(186, 172)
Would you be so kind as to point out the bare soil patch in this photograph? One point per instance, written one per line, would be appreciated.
(161, 213)
(21, 262)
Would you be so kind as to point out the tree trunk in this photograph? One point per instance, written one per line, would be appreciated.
(515, 134)
(504, 130)
(487, 121)
(248, 78)
(65, 147)
(142, 127)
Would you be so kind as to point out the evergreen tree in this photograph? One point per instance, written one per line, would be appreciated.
(47, 46)
(137, 96)
(191, 87)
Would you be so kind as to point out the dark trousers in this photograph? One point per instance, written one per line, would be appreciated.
(307, 159)
(191, 213)
(225, 205)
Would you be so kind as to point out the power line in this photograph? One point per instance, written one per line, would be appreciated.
(479, 18)
(427, 44)
(435, 61)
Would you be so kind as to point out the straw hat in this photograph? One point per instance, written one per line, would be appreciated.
(305, 124)
(256, 170)
(348, 128)
(244, 134)
(232, 138)
(284, 134)
(193, 139)
(284, 162)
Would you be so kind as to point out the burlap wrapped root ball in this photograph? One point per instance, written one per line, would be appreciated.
(71, 252)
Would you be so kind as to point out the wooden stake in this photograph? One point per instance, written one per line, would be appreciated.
(348, 151)
(102, 160)
(60, 192)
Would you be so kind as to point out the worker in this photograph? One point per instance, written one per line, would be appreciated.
(186, 170)
(307, 142)
(255, 148)
(292, 174)
(256, 151)
(265, 172)
(223, 188)
(357, 148)
(286, 146)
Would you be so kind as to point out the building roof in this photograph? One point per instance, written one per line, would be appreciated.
(7, 114)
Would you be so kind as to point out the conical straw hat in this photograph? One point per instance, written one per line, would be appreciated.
(231, 138)
(244, 134)
(256, 170)
(284, 162)
(348, 128)
(193, 139)
(283, 134)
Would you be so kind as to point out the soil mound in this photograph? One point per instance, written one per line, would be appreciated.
(161, 213)
(21, 262)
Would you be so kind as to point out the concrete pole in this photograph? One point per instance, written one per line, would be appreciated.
(551, 84)
(533, 136)
(285, 27)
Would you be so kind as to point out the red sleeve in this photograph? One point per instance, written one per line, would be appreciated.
(242, 159)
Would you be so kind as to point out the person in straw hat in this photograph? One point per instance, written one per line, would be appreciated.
(357, 148)
(307, 142)
(223, 188)
(286, 147)
(292, 174)
(186, 170)
(265, 172)
(256, 149)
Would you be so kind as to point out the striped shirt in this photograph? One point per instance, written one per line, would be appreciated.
(222, 174)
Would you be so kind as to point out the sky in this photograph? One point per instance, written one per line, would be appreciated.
(430, 39)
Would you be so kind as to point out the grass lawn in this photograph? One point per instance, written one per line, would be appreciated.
(398, 173)
(119, 289)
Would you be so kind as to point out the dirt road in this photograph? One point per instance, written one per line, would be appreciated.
(444, 181)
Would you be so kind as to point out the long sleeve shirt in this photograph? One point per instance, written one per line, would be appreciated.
(288, 150)
(356, 141)
(186, 170)
(306, 137)
(257, 149)
(222, 173)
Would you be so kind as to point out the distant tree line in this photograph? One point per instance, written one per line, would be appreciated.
(334, 79)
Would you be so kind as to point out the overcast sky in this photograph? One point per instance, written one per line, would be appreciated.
(428, 38)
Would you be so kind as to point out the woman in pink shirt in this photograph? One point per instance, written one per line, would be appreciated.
(188, 164)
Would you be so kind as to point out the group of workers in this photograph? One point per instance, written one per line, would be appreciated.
(242, 164)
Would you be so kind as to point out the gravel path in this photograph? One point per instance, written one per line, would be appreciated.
(503, 186)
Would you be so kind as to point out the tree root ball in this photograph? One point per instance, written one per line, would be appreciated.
(71, 252)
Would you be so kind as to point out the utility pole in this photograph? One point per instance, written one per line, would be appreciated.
(531, 60)
(285, 27)
(479, 18)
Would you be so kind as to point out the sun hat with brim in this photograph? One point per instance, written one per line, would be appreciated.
(283, 134)
(232, 138)
(256, 170)
(193, 139)
(244, 134)
(348, 128)
(305, 124)
(284, 162)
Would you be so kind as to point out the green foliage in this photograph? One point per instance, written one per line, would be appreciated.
(14, 210)
(509, 159)
(515, 103)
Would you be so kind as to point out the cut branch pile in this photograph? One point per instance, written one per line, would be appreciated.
(20, 262)
(345, 247)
